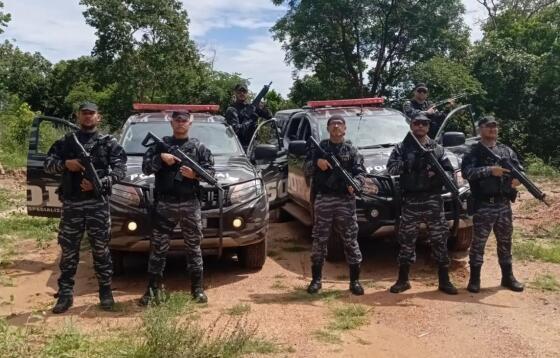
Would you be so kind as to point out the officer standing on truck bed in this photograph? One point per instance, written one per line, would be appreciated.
(82, 209)
(335, 203)
(177, 194)
(421, 202)
(493, 189)
(242, 117)
(419, 104)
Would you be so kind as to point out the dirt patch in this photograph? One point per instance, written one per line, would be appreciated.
(421, 322)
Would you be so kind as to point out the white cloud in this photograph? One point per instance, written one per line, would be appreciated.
(57, 29)
(261, 61)
(217, 14)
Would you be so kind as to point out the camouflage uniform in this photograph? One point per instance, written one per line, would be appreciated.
(412, 108)
(334, 207)
(243, 121)
(422, 200)
(492, 197)
(82, 211)
(177, 202)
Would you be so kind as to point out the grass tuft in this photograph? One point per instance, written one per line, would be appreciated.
(239, 309)
(546, 282)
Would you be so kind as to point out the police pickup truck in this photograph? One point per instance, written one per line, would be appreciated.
(374, 130)
(240, 224)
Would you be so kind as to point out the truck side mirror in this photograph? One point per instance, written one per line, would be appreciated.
(298, 148)
(453, 139)
(266, 152)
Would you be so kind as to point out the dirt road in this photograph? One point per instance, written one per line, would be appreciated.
(419, 323)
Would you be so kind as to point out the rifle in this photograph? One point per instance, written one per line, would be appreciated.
(152, 139)
(90, 174)
(257, 100)
(517, 174)
(439, 103)
(337, 167)
(447, 181)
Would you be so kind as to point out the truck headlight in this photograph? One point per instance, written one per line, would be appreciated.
(245, 191)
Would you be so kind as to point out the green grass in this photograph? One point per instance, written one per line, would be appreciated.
(278, 285)
(348, 317)
(543, 244)
(13, 160)
(546, 282)
(537, 167)
(239, 309)
(10, 199)
(342, 318)
(166, 330)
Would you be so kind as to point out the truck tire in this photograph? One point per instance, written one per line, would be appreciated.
(118, 262)
(252, 256)
(335, 248)
(463, 240)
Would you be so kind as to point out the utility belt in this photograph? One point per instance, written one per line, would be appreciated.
(176, 198)
(419, 195)
(496, 199)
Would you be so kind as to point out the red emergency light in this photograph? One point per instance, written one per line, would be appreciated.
(346, 102)
(161, 107)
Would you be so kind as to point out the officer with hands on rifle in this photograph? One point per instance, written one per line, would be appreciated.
(243, 116)
(422, 202)
(420, 104)
(335, 202)
(90, 163)
(177, 195)
(493, 188)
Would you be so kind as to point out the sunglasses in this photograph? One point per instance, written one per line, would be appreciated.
(422, 90)
(421, 123)
(490, 125)
(180, 120)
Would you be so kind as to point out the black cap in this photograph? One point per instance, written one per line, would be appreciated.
(181, 115)
(87, 106)
(486, 120)
(336, 117)
(240, 87)
(420, 117)
(420, 85)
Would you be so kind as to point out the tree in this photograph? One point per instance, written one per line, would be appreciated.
(4, 18)
(23, 74)
(366, 47)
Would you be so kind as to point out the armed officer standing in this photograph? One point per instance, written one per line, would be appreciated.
(493, 189)
(82, 209)
(243, 116)
(419, 104)
(335, 203)
(421, 202)
(177, 194)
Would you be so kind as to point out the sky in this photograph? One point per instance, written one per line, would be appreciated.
(236, 39)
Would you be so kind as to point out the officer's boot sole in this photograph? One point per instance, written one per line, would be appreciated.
(58, 308)
(513, 287)
(450, 290)
(400, 287)
(356, 289)
(314, 287)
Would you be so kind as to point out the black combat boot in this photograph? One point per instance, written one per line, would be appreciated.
(402, 283)
(474, 280)
(63, 303)
(316, 276)
(106, 300)
(355, 286)
(445, 284)
(197, 291)
(153, 292)
(508, 280)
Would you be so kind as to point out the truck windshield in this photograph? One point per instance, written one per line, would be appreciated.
(221, 140)
(372, 131)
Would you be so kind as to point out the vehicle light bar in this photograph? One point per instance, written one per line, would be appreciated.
(346, 102)
(161, 107)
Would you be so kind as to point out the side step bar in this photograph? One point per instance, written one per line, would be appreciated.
(299, 213)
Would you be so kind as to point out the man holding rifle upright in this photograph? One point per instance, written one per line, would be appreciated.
(335, 202)
(177, 201)
(421, 191)
(493, 189)
(243, 116)
(420, 104)
(84, 193)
